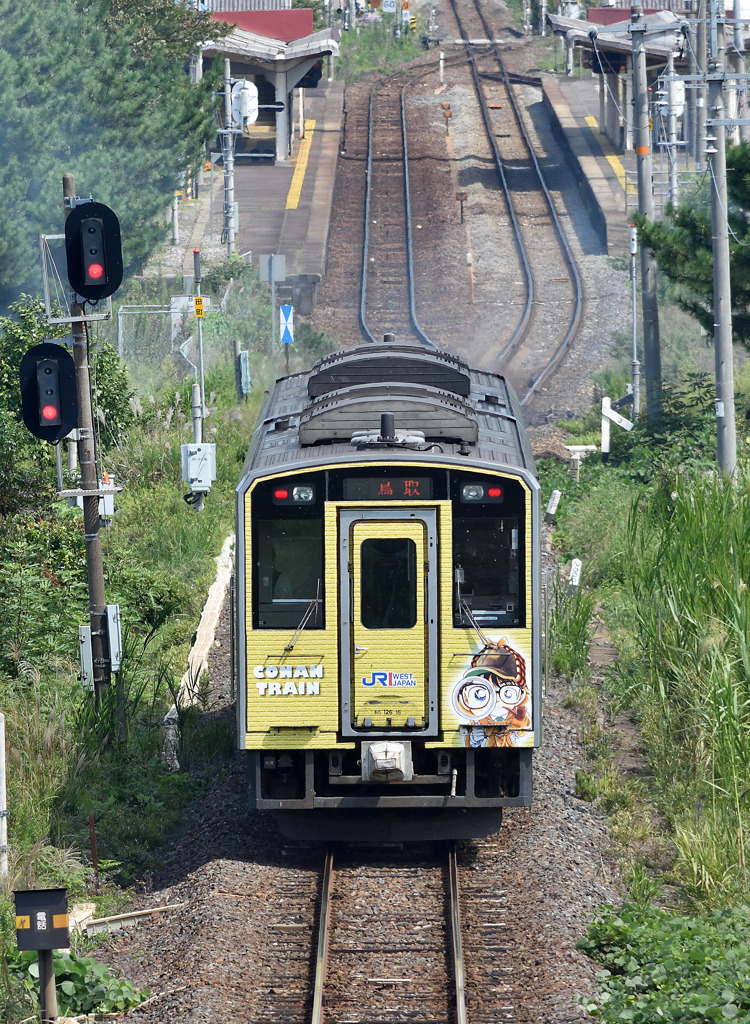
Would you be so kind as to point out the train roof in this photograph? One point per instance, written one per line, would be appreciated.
(310, 418)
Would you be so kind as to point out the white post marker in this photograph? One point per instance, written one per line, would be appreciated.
(554, 501)
(609, 414)
(575, 575)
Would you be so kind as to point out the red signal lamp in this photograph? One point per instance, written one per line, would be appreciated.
(95, 271)
(50, 413)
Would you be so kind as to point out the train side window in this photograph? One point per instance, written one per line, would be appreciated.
(487, 571)
(289, 565)
(389, 583)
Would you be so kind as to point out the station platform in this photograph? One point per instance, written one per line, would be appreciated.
(286, 209)
(573, 108)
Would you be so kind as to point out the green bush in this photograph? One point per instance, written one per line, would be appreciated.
(662, 967)
(83, 985)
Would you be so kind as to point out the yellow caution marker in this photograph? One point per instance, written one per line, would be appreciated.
(303, 154)
(611, 157)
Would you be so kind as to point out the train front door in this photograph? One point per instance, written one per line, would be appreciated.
(389, 621)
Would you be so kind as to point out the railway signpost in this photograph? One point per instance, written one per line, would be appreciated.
(273, 270)
(609, 415)
(42, 925)
(286, 326)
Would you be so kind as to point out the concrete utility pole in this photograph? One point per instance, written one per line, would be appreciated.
(635, 366)
(739, 67)
(700, 39)
(100, 653)
(690, 99)
(672, 130)
(726, 438)
(651, 343)
(227, 145)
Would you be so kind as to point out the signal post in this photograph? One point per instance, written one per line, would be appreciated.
(92, 272)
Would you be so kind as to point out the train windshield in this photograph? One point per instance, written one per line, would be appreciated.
(290, 573)
(389, 583)
(487, 573)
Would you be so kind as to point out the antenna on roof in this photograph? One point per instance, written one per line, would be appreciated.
(387, 426)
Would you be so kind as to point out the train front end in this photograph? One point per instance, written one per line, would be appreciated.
(387, 640)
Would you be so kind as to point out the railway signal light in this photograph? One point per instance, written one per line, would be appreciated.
(49, 400)
(93, 250)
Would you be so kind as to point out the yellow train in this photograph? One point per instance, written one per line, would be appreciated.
(387, 638)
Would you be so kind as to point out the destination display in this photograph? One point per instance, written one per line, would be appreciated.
(371, 488)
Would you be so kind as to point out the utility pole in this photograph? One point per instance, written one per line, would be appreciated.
(227, 145)
(635, 366)
(726, 438)
(100, 653)
(672, 130)
(273, 304)
(691, 107)
(700, 39)
(739, 68)
(651, 343)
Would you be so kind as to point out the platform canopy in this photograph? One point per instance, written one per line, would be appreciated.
(662, 39)
(278, 65)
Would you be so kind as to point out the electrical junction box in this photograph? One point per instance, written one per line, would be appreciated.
(87, 660)
(198, 466)
(114, 629)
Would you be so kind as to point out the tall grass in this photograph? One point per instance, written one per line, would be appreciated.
(690, 551)
(570, 630)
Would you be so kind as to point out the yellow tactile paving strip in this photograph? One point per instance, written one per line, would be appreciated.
(611, 157)
(303, 153)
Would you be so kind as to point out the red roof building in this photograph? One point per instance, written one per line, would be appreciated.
(286, 25)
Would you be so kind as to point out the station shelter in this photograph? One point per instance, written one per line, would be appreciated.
(608, 52)
(278, 51)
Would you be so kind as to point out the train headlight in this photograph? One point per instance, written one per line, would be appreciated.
(482, 490)
(472, 492)
(297, 494)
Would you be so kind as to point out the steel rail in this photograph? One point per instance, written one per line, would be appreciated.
(561, 237)
(523, 325)
(366, 237)
(321, 960)
(416, 326)
(409, 240)
(562, 240)
(459, 974)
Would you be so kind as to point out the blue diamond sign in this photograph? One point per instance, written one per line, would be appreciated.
(286, 317)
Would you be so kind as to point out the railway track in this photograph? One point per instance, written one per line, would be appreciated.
(383, 937)
(389, 946)
(424, 274)
(554, 292)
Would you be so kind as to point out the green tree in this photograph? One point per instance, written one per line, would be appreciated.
(99, 90)
(682, 245)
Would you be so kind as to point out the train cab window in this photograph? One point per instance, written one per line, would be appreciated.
(289, 565)
(487, 571)
(389, 583)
